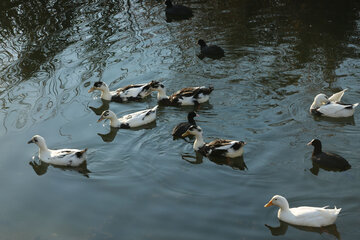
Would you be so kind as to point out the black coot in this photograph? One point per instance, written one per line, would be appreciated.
(177, 12)
(212, 51)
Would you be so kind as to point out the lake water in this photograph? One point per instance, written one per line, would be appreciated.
(279, 55)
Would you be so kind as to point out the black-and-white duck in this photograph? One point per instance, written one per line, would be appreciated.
(181, 128)
(136, 119)
(332, 107)
(184, 97)
(177, 12)
(211, 51)
(218, 147)
(132, 92)
(326, 160)
(61, 157)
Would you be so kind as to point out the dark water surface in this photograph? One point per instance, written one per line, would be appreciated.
(279, 55)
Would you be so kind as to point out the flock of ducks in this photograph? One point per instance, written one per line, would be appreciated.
(322, 106)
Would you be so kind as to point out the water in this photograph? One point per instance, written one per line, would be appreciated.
(279, 55)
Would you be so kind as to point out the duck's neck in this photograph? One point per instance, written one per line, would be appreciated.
(317, 149)
(114, 122)
(105, 94)
(44, 152)
(314, 105)
(161, 95)
(199, 142)
(191, 120)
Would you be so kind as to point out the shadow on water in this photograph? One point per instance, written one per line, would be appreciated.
(235, 163)
(42, 167)
(281, 230)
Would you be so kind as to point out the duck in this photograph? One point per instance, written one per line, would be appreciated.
(136, 119)
(216, 148)
(304, 216)
(184, 97)
(181, 128)
(212, 51)
(330, 161)
(177, 12)
(60, 157)
(132, 92)
(332, 107)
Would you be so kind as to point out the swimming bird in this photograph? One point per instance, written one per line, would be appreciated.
(132, 92)
(304, 216)
(332, 107)
(328, 161)
(177, 12)
(218, 147)
(132, 120)
(61, 157)
(183, 97)
(212, 51)
(181, 128)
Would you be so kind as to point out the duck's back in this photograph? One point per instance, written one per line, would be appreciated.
(212, 51)
(331, 161)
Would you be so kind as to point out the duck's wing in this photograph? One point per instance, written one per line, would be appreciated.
(337, 109)
(314, 216)
(131, 91)
(336, 97)
(185, 92)
(140, 118)
(67, 157)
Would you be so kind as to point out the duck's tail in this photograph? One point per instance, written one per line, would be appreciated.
(355, 105)
(81, 153)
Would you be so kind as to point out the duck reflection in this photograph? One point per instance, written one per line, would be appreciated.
(316, 168)
(343, 121)
(42, 167)
(235, 163)
(281, 230)
(103, 107)
(110, 136)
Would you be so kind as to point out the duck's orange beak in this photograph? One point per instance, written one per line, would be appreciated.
(91, 90)
(269, 204)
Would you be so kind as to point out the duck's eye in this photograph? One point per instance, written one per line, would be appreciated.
(35, 140)
(106, 113)
(275, 199)
(162, 86)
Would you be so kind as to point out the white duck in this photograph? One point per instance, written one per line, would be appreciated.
(304, 216)
(331, 107)
(186, 96)
(132, 120)
(218, 147)
(129, 93)
(61, 157)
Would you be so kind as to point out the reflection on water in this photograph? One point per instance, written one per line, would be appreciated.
(99, 110)
(42, 167)
(235, 163)
(110, 136)
(282, 228)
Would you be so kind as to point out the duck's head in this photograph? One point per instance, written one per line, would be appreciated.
(192, 114)
(157, 86)
(279, 201)
(192, 130)
(319, 100)
(314, 142)
(98, 86)
(107, 114)
(38, 140)
(202, 43)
